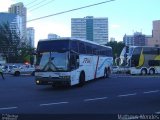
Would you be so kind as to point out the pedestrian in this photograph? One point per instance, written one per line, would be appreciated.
(1, 72)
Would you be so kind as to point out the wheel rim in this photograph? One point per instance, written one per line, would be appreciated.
(143, 72)
(17, 73)
(151, 72)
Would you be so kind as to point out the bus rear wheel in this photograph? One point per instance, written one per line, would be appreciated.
(81, 80)
(106, 73)
(143, 72)
(17, 73)
(152, 71)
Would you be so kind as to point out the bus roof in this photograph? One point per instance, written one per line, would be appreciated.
(72, 39)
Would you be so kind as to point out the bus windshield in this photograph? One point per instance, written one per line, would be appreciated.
(53, 45)
(129, 53)
(52, 61)
(125, 56)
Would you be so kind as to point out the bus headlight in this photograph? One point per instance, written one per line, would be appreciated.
(37, 81)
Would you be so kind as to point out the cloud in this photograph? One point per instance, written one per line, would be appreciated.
(115, 26)
(29, 14)
(114, 31)
(5, 4)
(43, 28)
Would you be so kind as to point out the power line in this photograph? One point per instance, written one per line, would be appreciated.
(31, 2)
(70, 10)
(36, 4)
(41, 5)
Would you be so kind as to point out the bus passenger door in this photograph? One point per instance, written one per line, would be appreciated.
(74, 65)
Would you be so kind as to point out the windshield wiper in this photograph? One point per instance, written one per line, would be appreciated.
(50, 65)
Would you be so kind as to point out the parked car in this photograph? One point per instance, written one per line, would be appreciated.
(8, 68)
(120, 69)
(24, 69)
(115, 69)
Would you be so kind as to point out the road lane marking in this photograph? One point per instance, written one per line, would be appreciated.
(151, 91)
(8, 108)
(93, 99)
(58, 103)
(126, 95)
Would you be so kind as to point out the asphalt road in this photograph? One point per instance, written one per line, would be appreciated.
(120, 94)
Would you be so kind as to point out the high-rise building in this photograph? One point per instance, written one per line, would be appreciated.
(14, 21)
(53, 36)
(30, 36)
(128, 40)
(14, 26)
(138, 39)
(20, 10)
(90, 28)
(148, 37)
(155, 39)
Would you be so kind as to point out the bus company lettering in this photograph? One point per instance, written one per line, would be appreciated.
(86, 60)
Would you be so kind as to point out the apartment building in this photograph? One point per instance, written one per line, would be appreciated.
(90, 28)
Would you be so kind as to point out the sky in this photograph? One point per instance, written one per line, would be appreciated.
(124, 16)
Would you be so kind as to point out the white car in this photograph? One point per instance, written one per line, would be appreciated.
(24, 69)
(120, 69)
(115, 69)
(8, 68)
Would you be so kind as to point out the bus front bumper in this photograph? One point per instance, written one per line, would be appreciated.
(53, 81)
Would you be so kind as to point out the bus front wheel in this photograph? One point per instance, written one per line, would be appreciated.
(17, 73)
(106, 73)
(143, 72)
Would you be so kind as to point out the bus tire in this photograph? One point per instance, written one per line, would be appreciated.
(152, 71)
(106, 73)
(144, 71)
(17, 73)
(81, 79)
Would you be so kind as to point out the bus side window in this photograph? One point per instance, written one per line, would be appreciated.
(109, 52)
(82, 48)
(74, 61)
(94, 49)
(89, 49)
(74, 46)
(136, 56)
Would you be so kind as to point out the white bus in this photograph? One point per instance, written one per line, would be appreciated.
(69, 61)
(141, 60)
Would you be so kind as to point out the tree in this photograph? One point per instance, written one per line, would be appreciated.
(11, 46)
(9, 41)
(25, 53)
